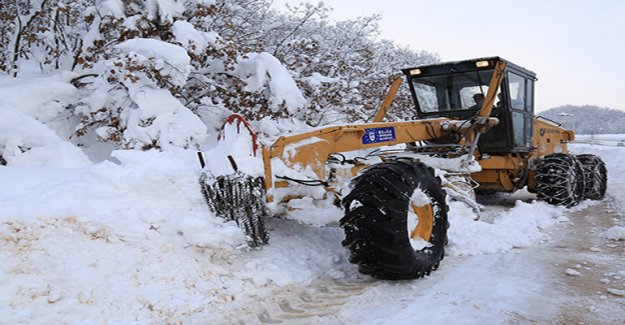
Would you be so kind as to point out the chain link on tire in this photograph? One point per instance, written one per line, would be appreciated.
(595, 176)
(560, 179)
(240, 198)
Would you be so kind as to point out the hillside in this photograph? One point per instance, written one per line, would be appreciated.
(588, 119)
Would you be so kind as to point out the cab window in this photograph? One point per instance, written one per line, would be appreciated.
(516, 85)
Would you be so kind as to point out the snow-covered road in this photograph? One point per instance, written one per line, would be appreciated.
(135, 243)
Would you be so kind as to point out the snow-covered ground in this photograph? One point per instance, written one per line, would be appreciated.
(601, 139)
(134, 241)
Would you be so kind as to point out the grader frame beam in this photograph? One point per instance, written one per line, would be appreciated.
(311, 149)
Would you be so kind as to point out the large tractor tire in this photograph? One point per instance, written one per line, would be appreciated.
(560, 179)
(396, 220)
(595, 177)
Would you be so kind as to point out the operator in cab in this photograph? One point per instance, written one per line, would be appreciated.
(479, 100)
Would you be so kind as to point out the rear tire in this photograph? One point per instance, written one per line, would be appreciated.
(595, 177)
(560, 179)
(378, 211)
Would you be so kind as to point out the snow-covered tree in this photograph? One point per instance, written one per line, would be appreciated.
(205, 59)
(44, 33)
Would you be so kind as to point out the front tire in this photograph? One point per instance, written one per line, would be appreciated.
(381, 232)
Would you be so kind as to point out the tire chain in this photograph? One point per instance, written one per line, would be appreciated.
(240, 198)
(560, 180)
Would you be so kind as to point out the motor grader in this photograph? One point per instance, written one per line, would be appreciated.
(393, 179)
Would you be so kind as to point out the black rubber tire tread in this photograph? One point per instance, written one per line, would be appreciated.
(376, 229)
(560, 179)
(595, 176)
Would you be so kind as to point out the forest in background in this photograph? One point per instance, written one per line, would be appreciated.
(210, 57)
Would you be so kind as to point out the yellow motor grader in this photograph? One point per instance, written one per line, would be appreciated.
(476, 130)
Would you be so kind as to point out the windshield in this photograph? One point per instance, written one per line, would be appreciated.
(451, 92)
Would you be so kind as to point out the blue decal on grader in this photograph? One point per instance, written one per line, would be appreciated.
(375, 135)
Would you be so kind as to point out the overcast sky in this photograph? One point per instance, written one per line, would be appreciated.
(576, 47)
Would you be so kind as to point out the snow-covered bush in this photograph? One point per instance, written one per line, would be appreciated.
(44, 34)
(202, 59)
(138, 109)
(39, 146)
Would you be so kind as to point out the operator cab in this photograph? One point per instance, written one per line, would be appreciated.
(450, 89)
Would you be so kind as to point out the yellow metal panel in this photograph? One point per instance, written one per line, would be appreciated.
(424, 227)
(498, 162)
(550, 138)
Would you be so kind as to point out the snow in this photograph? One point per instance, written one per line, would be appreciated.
(113, 8)
(615, 233)
(191, 38)
(316, 80)
(170, 59)
(39, 147)
(518, 227)
(43, 98)
(459, 164)
(165, 10)
(171, 125)
(419, 198)
(616, 292)
(130, 239)
(264, 71)
(125, 236)
(134, 242)
(291, 149)
(236, 141)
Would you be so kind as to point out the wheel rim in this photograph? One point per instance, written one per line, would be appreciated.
(420, 225)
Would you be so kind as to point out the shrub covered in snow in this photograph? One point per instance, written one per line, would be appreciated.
(148, 73)
(39, 146)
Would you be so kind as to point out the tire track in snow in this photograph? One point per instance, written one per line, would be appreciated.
(589, 264)
(316, 303)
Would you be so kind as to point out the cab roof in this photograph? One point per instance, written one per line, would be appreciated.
(464, 66)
